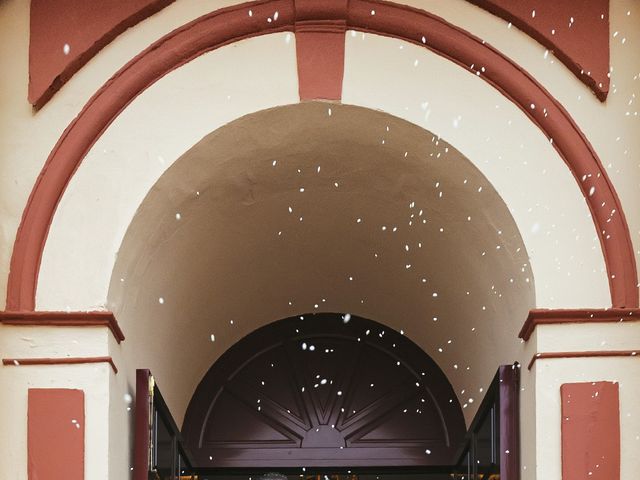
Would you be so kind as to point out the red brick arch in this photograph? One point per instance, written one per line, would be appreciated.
(326, 17)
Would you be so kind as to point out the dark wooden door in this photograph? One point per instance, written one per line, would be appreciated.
(317, 390)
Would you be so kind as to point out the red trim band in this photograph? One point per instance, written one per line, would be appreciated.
(598, 353)
(553, 317)
(64, 319)
(232, 24)
(19, 362)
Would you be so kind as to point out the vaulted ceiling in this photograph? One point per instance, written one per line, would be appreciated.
(318, 207)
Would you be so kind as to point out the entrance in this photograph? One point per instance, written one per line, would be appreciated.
(328, 397)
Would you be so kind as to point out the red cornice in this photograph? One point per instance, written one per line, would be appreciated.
(19, 362)
(553, 317)
(597, 353)
(65, 319)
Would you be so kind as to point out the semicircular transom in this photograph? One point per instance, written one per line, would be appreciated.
(324, 390)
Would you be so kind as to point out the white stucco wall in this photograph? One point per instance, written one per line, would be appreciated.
(93, 379)
(550, 374)
(122, 394)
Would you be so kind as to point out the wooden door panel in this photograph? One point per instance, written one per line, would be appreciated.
(314, 391)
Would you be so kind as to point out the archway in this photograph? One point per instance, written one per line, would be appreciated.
(232, 24)
(262, 220)
(303, 209)
(328, 396)
(292, 210)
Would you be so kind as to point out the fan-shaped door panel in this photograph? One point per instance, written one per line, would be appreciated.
(316, 391)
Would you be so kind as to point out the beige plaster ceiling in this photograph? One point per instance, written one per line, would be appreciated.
(321, 207)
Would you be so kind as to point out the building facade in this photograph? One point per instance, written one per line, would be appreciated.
(179, 176)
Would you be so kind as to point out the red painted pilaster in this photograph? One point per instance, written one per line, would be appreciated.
(590, 431)
(55, 434)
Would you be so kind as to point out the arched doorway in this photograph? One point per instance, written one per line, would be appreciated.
(334, 223)
(325, 390)
(327, 397)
